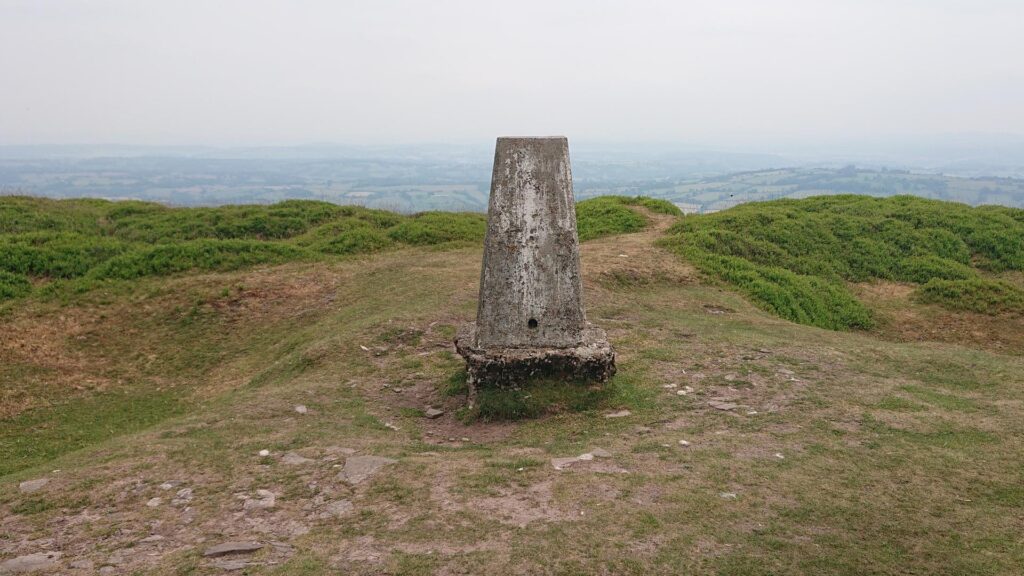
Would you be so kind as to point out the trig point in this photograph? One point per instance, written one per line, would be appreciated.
(531, 321)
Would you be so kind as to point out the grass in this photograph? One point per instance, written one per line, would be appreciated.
(794, 257)
(839, 437)
(604, 216)
(91, 242)
(973, 294)
(539, 397)
(43, 434)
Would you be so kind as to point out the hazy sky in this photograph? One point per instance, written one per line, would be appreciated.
(229, 72)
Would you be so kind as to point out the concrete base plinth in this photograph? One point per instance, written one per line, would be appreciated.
(592, 360)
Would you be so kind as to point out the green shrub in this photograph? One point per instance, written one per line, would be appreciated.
(94, 240)
(826, 241)
(606, 215)
(26, 214)
(355, 241)
(656, 205)
(973, 294)
(430, 228)
(201, 255)
(273, 222)
(56, 254)
(13, 285)
(811, 300)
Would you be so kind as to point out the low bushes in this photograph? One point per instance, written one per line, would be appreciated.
(793, 257)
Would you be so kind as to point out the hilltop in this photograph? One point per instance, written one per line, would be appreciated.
(150, 354)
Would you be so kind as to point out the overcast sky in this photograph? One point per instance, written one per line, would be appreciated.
(236, 72)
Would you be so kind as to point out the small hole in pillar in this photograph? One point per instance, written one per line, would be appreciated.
(532, 323)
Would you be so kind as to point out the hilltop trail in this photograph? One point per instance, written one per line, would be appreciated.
(799, 442)
(633, 257)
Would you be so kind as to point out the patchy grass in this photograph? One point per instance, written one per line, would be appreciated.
(835, 438)
(41, 435)
(544, 396)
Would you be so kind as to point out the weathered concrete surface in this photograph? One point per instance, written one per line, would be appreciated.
(531, 320)
(530, 289)
(591, 360)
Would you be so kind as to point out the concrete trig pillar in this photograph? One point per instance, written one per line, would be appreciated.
(531, 319)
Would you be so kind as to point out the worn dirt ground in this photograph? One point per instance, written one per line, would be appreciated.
(828, 453)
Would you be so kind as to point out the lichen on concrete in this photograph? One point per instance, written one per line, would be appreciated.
(531, 319)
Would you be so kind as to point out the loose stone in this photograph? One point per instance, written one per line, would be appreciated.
(30, 486)
(433, 413)
(30, 563)
(232, 548)
(337, 509)
(563, 463)
(266, 500)
(293, 459)
(359, 468)
(184, 496)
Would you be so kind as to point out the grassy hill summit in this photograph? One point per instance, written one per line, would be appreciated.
(830, 385)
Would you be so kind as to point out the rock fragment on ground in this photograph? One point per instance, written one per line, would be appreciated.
(154, 502)
(618, 414)
(265, 499)
(231, 548)
(30, 563)
(359, 468)
(183, 496)
(82, 564)
(563, 463)
(433, 413)
(30, 486)
(337, 509)
(293, 459)
(301, 409)
(722, 405)
(601, 453)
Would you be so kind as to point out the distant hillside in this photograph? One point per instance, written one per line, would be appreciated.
(719, 193)
(409, 183)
